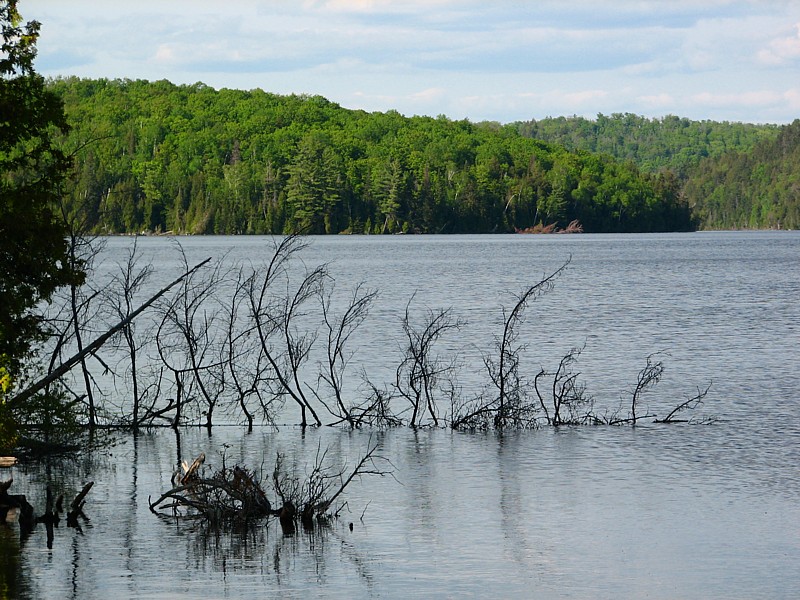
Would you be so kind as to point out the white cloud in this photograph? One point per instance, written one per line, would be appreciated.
(782, 50)
(165, 53)
(502, 60)
(749, 99)
(658, 101)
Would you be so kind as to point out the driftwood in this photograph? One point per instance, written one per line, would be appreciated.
(573, 227)
(7, 462)
(189, 471)
(51, 517)
(94, 346)
(236, 495)
(76, 508)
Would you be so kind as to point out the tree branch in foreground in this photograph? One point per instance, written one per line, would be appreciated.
(66, 366)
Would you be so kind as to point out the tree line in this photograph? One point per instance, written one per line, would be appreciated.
(732, 175)
(755, 189)
(671, 142)
(154, 156)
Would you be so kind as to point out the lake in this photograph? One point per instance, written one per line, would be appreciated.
(701, 510)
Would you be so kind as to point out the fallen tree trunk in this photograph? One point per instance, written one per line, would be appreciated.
(93, 347)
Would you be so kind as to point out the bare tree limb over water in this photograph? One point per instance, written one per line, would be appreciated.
(95, 345)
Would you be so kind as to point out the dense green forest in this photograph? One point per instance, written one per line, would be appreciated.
(733, 175)
(755, 189)
(671, 142)
(153, 156)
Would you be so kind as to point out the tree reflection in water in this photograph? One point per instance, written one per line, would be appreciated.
(12, 583)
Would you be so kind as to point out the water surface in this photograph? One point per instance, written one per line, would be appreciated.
(679, 511)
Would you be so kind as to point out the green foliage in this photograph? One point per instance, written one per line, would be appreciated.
(756, 189)
(33, 250)
(8, 424)
(730, 175)
(673, 143)
(155, 156)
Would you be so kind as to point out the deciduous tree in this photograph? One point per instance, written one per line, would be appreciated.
(34, 258)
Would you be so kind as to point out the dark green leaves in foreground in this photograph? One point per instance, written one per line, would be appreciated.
(33, 251)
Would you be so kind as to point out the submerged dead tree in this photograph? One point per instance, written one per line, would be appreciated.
(568, 402)
(690, 403)
(339, 331)
(421, 375)
(126, 285)
(506, 402)
(250, 374)
(237, 495)
(237, 340)
(95, 345)
(647, 378)
(275, 305)
(190, 338)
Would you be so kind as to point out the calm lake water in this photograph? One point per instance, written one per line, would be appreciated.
(653, 511)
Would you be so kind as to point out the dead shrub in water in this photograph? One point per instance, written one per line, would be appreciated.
(237, 495)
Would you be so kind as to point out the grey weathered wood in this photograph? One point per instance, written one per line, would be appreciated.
(95, 345)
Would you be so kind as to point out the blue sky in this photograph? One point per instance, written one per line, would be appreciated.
(503, 60)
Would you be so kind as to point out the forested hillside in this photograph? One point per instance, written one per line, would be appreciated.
(653, 144)
(732, 175)
(190, 159)
(756, 189)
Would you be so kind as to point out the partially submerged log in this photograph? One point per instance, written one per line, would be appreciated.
(76, 508)
(8, 502)
(6, 462)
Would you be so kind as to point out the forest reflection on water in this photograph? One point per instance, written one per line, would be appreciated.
(679, 511)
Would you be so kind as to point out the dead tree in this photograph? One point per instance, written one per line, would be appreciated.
(505, 401)
(125, 286)
(245, 361)
(82, 250)
(689, 404)
(376, 410)
(275, 315)
(66, 317)
(568, 399)
(422, 375)
(339, 331)
(55, 374)
(189, 338)
(504, 370)
(646, 379)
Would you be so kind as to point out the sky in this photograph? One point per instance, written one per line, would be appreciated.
(496, 60)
